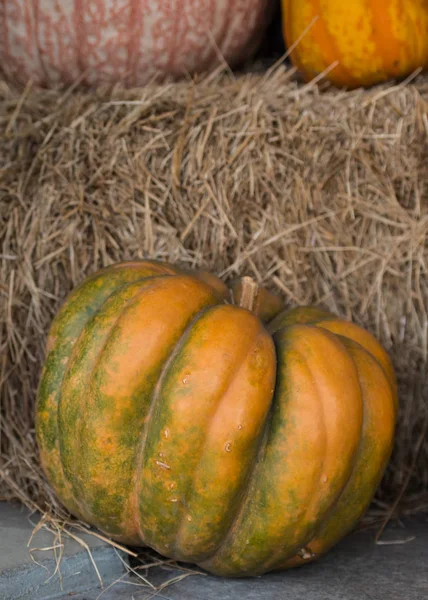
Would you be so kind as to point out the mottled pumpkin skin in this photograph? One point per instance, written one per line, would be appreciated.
(51, 41)
(169, 417)
(372, 40)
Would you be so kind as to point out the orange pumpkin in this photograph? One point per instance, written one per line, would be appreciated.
(169, 417)
(369, 41)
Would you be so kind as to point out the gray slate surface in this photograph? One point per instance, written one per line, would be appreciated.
(357, 569)
(22, 579)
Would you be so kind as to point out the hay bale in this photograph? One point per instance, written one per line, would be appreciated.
(321, 196)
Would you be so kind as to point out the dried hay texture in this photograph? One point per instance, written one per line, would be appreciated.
(320, 195)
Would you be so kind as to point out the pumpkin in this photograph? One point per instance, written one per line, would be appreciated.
(132, 40)
(370, 40)
(169, 417)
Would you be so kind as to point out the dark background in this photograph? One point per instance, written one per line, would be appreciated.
(273, 46)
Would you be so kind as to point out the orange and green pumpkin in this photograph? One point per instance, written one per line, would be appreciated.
(169, 417)
(370, 41)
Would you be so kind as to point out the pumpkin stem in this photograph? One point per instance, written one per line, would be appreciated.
(306, 553)
(246, 293)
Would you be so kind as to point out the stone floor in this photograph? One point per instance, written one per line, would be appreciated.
(357, 569)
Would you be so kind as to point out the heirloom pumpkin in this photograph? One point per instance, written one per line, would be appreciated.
(370, 40)
(135, 40)
(171, 418)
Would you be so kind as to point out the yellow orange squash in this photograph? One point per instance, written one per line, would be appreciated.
(170, 417)
(369, 41)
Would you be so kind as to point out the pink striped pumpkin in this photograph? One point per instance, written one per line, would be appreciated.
(131, 40)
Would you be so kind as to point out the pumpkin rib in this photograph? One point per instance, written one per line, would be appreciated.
(348, 342)
(135, 500)
(336, 513)
(366, 340)
(273, 559)
(308, 315)
(135, 26)
(224, 561)
(229, 385)
(323, 37)
(336, 502)
(290, 491)
(94, 450)
(385, 42)
(318, 484)
(164, 270)
(228, 32)
(305, 315)
(128, 305)
(130, 302)
(263, 440)
(68, 317)
(35, 9)
(422, 45)
(260, 446)
(222, 337)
